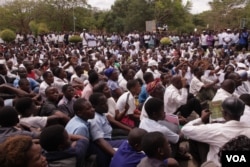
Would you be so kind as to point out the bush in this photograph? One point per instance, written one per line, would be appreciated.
(8, 35)
(75, 39)
(42, 28)
(165, 41)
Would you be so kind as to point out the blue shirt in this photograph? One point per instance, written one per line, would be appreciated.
(78, 126)
(143, 94)
(126, 156)
(100, 127)
(33, 83)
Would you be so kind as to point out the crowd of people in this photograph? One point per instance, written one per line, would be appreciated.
(123, 99)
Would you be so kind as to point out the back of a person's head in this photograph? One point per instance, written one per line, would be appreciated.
(65, 87)
(94, 99)
(13, 152)
(77, 106)
(228, 85)
(93, 77)
(152, 142)
(52, 137)
(148, 77)
(22, 104)
(245, 98)
(99, 87)
(153, 105)
(132, 83)
(8, 116)
(46, 74)
(233, 106)
(135, 137)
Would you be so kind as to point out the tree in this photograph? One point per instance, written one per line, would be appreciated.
(7, 35)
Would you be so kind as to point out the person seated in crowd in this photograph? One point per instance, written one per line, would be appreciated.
(20, 151)
(237, 80)
(129, 154)
(119, 129)
(28, 115)
(112, 75)
(198, 130)
(200, 90)
(100, 129)
(158, 151)
(63, 149)
(48, 81)
(22, 73)
(88, 89)
(65, 105)
(24, 85)
(31, 71)
(127, 74)
(4, 78)
(9, 125)
(60, 78)
(128, 104)
(178, 101)
(50, 105)
(148, 77)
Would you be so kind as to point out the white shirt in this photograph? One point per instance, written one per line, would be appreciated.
(139, 75)
(246, 115)
(121, 102)
(35, 121)
(112, 107)
(143, 111)
(221, 95)
(216, 134)
(151, 126)
(174, 98)
(195, 86)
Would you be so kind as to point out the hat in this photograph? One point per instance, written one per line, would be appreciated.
(152, 63)
(108, 72)
(152, 85)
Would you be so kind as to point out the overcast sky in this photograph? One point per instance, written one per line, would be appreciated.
(198, 5)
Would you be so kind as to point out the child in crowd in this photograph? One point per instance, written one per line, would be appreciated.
(129, 153)
(59, 149)
(158, 151)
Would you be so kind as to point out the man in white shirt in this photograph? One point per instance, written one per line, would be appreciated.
(217, 134)
(226, 90)
(176, 98)
(246, 115)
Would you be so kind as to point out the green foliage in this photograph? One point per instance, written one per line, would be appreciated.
(75, 39)
(7, 35)
(42, 28)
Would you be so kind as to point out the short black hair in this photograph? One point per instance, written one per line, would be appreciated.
(22, 104)
(56, 71)
(78, 104)
(51, 137)
(99, 87)
(147, 76)
(46, 74)
(245, 98)
(8, 116)
(22, 81)
(132, 83)
(153, 105)
(95, 98)
(151, 142)
(93, 77)
(65, 87)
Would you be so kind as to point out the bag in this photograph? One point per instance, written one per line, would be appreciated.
(128, 121)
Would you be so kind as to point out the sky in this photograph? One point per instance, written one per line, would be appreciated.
(198, 5)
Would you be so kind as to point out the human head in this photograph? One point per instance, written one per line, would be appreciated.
(24, 84)
(59, 72)
(3, 69)
(22, 72)
(68, 91)
(79, 70)
(155, 89)
(22, 152)
(239, 143)
(155, 145)
(134, 86)
(52, 93)
(8, 117)
(28, 65)
(93, 77)
(236, 78)
(48, 77)
(25, 106)
(176, 81)
(128, 74)
(135, 137)
(148, 77)
(99, 102)
(54, 138)
(83, 109)
(198, 72)
(232, 108)
(154, 108)
(228, 85)
(166, 78)
(245, 98)
(102, 87)
(111, 73)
